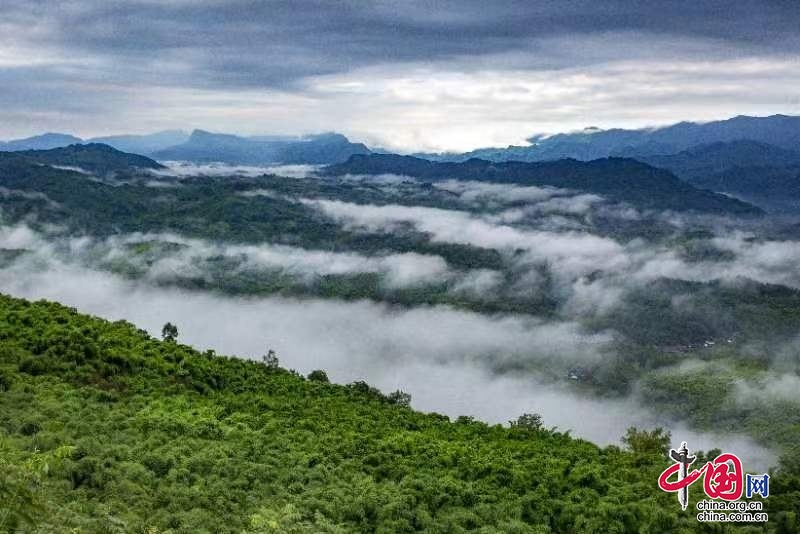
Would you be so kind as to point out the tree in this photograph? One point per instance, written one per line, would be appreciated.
(270, 359)
(530, 421)
(643, 442)
(169, 333)
(400, 398)
(5, 380)
(318, 376)
(21, 501)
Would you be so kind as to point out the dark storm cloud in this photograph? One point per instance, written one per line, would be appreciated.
(407, 75)
(248, 43)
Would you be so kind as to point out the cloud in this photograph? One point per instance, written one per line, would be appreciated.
(18, 237)
(386, 179)
(352, 340)
(444, 75)
(250, 43)
(398, 270)
(473, 192)
(445, 108)
(770, 388)
(765, 261)
(574, 254)
(169, 258)
(591, 273)
(443, 357)
(577, 254)
(30, 195)
(184, 168)
(509, 364)
(452, 389)
(479, 282)
(578, 204)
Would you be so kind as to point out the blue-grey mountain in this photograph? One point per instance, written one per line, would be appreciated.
(40, 142)
(93, 157)
(779, 130)
(618, 179)
(206, 147)
(144, 144)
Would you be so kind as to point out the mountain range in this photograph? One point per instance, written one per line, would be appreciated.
(756, 159)
(782, 131)
(618, 179)
(205, 147)
(208, 147)
(40, 142)
(762, 174)
(144, 144)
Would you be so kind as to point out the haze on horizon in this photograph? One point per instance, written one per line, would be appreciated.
(410, 76)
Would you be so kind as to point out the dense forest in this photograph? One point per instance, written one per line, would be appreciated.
(105, 429)
(370, 267)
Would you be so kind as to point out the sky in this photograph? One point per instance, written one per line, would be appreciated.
(411, 75)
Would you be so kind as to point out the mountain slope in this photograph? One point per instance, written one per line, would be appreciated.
(146, 435)
(618, 179)
(320, 150)
(715, 157)
(775, 189)
(93, 157)
(207, 147)
(762, 174)
(40, 142)
(779, 130)
(143, 144)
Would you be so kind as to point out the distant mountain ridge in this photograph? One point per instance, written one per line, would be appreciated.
(782, 131)
(618, 179)
(755, 159)
(143, 144)
(206, 147)
(40, 142)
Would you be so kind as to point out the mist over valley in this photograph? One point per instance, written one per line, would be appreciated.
(399, 267)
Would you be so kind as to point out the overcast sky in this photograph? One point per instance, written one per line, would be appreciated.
(410, 74)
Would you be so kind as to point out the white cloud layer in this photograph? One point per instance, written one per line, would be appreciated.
(439, 355)
(185, 168)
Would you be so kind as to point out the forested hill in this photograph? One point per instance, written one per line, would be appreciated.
(94, 157)
(618, 179)
(105, 429)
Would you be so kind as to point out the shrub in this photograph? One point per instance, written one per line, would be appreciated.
(318, 376)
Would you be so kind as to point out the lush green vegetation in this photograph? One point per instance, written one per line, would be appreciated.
(655, 334)
(104, 429)
(211, 208)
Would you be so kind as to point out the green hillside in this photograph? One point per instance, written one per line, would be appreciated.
(93, 157)
(105, 429)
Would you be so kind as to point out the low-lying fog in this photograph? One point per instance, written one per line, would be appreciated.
(451, 361)
(433, 353)
(185, 168)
